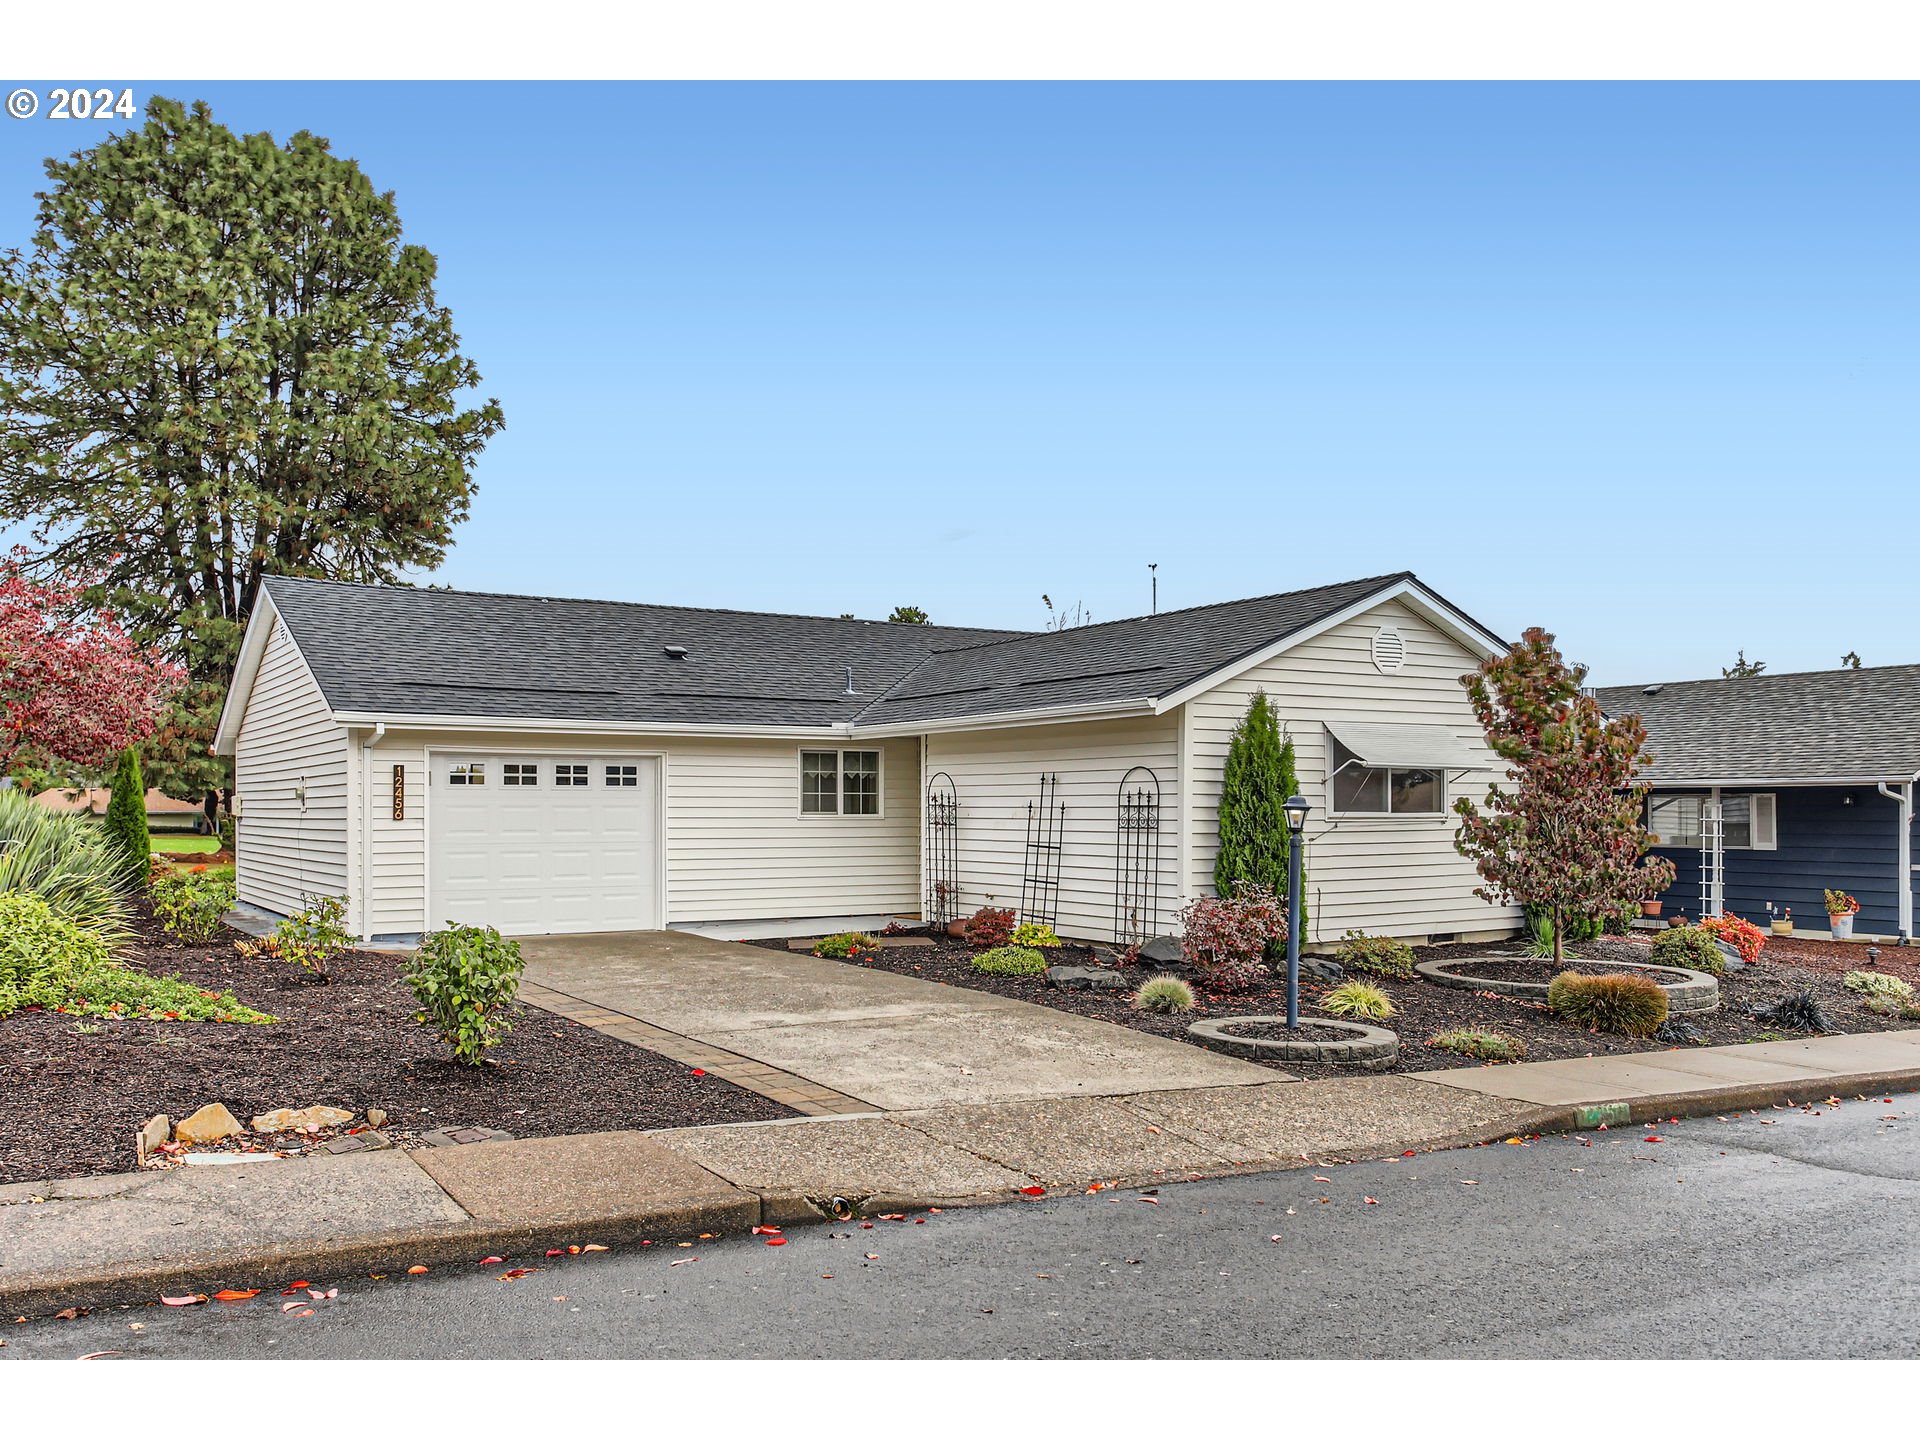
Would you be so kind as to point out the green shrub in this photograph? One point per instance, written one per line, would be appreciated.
(1376, 955)
(1481, 1045)
(190, 904)
(1878, 985)
(310, 938)
(1010, 960)
(229, 834)
(464, 979)
(840, 947)
(1164, 995)
(1034, 937)
(126, 819)
(1689, 947)
(49, 961)
(1356, 997)
(1617, 1004)
(67, 861)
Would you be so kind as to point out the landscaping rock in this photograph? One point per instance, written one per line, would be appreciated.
(1163, 952)
(155, 1133)
(463, 1135)
(207, 1124)
(376, 1117)
(314, 1117)
(1085, 977)
(1730, 955)
(1331, 971)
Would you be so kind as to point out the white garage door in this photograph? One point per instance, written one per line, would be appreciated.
(544, 844)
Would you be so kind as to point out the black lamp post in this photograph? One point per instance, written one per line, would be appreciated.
(1296, 812)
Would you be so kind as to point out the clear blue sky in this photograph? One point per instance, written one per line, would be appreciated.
(1634, 362)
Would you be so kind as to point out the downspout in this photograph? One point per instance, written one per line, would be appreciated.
(374, 737)
(1904, 798)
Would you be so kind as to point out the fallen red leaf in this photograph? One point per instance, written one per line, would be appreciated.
(1654, 1139)
(766, 1229)
(699, 1072)
(416, 1270)
(777, 1240)
(102, 1354)
(552, 1253)
(1370, 1200)
(1323, 1180)
(592, 1249)
(234, 1294)
(493, 1260)
(511, 1275)
(1033, 1189)
(183, 1299)
(1148, 1199)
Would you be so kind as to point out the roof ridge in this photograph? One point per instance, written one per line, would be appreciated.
(1377, 581)
(1000, 635)
(1770, 675)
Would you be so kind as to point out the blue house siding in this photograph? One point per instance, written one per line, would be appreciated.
(1825, 843)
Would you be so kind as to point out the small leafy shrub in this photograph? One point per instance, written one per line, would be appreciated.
(989, 925)
(1690, 948)
(1617, 1004)
(1878, 985)
(229, 834)
(464, 979)
(848, 946)
(1164, 995)
(1376, 955)
(1743, 935)
(310, 938)
(51, 962)
(1034, 937)
(190, 906)
(67, 861)
(1356, 997)
(1488, 1045)
(1010, 960)
(1225, 937)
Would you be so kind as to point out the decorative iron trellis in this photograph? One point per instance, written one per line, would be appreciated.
(1040, 875)
(943, 851)
(1136, 858)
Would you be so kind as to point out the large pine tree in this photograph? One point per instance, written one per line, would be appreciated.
(1253, 828)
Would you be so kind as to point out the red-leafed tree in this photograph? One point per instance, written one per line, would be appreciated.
(1564, 833)
(75, 689)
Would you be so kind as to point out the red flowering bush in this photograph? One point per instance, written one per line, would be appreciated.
(1743, 935)
(1225, 938)
(989, 926)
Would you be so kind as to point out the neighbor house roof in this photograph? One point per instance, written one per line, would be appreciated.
(94, 802)
(1816, 725)
(391, 652)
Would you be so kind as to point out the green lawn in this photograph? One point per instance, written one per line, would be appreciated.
(186, 844)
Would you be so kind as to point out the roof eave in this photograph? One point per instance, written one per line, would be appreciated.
(1010, 719)
(253, 648)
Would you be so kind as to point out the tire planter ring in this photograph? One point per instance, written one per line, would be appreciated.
(1689, 992)
(1362, 1047)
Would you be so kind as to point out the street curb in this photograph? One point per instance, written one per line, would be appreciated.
(271, 1267)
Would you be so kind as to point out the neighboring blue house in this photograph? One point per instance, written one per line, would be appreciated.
(1772, 789)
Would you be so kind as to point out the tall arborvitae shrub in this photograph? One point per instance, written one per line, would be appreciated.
(1253, 831)
(126, 823)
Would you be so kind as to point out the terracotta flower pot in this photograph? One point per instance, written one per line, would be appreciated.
(1650, 908)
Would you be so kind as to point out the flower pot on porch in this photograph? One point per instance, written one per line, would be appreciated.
(1782, 927)
(1842, 926)
(1650, 908)
(957, 929)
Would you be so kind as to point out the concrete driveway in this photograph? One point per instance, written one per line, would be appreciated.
(891, 1041)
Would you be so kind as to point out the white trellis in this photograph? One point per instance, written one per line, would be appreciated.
(1713, 874)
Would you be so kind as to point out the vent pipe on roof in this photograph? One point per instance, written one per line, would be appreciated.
(675, 652)
(849, 690)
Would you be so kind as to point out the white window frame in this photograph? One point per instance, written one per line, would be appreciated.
(839, 753)
(1759, 802)
(513, 776)
(1336, 767)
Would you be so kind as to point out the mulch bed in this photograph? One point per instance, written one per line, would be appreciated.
(71, 1102)
(1424, 1009)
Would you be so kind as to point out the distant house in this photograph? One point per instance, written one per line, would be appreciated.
(1771, 789)
(163, 811)
(548, 765)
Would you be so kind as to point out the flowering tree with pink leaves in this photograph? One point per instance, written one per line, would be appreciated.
(75, 689)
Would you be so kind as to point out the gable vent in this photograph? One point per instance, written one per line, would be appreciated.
(1389, 650)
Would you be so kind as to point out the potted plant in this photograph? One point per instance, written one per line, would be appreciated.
(1841, 908)
(1650, 908)
(1783, 924)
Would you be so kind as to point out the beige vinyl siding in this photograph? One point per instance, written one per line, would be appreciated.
(737, 846)
(1396, 875)
(996, 775)
(289, 852)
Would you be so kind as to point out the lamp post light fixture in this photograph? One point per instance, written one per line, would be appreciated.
(1296, 812)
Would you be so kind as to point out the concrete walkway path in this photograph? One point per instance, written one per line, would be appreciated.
(890, 1042)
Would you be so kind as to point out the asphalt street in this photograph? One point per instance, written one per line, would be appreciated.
(1780, 1234)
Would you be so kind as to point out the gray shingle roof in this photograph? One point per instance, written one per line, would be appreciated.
(1814, 725)
(390, 650)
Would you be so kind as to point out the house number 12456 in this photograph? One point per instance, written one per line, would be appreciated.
(399, 792)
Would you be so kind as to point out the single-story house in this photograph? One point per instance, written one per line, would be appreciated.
(164, 813)
(547, 765)
(1770, 789)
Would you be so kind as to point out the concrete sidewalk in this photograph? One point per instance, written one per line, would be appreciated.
(133, 1237)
